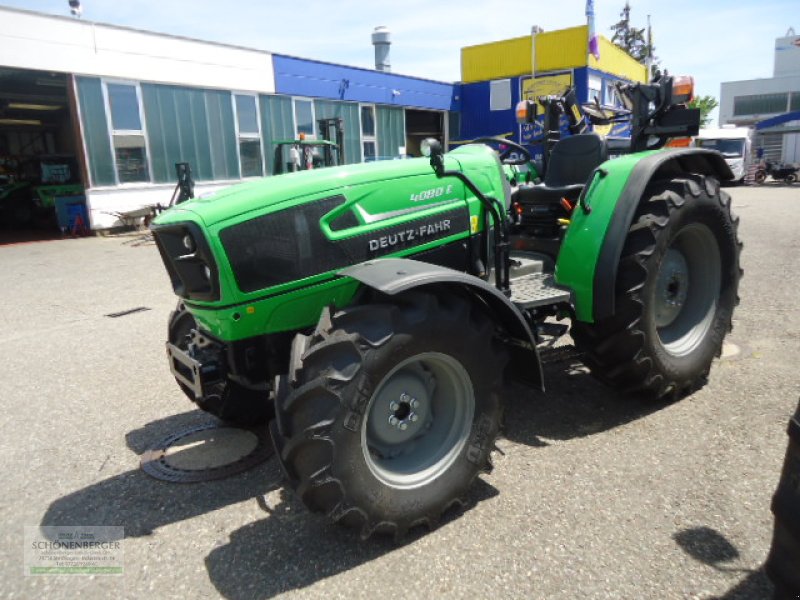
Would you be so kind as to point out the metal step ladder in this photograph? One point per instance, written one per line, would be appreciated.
(536, 289)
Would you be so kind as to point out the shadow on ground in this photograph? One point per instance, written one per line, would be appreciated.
(260, 560)
(292, 549)
(289, 549)
(710, 547)
(575, 405)
(142, 504)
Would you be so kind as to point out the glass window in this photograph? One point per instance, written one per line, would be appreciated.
(246, 114)
(760, 104)
(369, 142)
(304, 117)
(249, 136)
(595, 88)
(127, 134)
(131, 158)
(250, 155)
(730, 148)
(124, 106)
(611, 98)
(368, 121)
(370, 151)
(500, 94)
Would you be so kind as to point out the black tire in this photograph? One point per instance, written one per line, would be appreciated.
(671, 317)
(328, 403)
(231, 402)
(791, 178)
(760, 176)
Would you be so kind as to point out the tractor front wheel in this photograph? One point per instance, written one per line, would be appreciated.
(676, 289)
(231, 402)
(390, 411)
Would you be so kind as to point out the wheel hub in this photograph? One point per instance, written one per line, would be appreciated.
(418, 420)
(406, 400)
(672, 287)
(687, 289)
(402, 413)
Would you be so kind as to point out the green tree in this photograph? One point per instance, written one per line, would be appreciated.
(706, 104)
(632, 39)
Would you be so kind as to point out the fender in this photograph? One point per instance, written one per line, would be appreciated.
(395, 275)
(589, 256)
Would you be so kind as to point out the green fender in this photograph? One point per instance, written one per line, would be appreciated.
(589, 255)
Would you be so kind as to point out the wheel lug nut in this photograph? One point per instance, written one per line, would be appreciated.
(403, 397)
(403, 426)
(394, 405)
(413, 417)
(393, 421)
(414, 403)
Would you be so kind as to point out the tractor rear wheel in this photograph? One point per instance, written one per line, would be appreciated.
(231, 402)
(676, 289)
(390, 410)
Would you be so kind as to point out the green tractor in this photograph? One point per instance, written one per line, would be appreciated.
(372, 313)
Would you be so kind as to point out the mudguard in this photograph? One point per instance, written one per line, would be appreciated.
(395, 275)
(589, 256)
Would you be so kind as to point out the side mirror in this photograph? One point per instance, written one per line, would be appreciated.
(433, 148)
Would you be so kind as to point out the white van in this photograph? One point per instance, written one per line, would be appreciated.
(734, 143)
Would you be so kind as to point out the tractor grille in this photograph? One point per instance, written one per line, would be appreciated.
(191, 269)
(289, 245)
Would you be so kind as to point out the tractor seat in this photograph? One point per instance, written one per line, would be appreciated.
(571, 162)
(540, 207)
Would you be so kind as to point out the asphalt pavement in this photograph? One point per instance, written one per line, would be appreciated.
(593, 496)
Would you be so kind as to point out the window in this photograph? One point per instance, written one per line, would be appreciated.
(595, 88)
(249, 135)
(304, 117)
(795, 102)
(500, 94)
(611, 97)
(127, 133)
(369, 141)
(760, 104)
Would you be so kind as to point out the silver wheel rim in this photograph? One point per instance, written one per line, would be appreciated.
(418, 420)
(687, 290)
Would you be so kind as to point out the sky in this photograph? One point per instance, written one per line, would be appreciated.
(713, 40)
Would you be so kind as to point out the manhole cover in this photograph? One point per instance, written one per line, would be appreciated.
(206, 453)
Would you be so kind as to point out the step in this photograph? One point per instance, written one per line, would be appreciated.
(537, 289)
(524, 264)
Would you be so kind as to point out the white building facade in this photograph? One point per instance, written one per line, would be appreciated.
(770, 105)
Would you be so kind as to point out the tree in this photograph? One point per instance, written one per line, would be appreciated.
(706, 104)
(633, 39)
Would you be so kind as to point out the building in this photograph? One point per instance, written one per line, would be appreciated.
(125, 105)
(770, 105)
(129, 104)
(497, 75)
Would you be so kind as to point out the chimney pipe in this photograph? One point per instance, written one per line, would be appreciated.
(381, 39)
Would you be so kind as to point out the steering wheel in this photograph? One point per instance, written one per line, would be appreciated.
(504, 154)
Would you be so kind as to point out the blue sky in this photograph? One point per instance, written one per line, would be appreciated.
(713, 40)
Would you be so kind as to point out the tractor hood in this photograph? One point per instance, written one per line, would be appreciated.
(242, 198)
